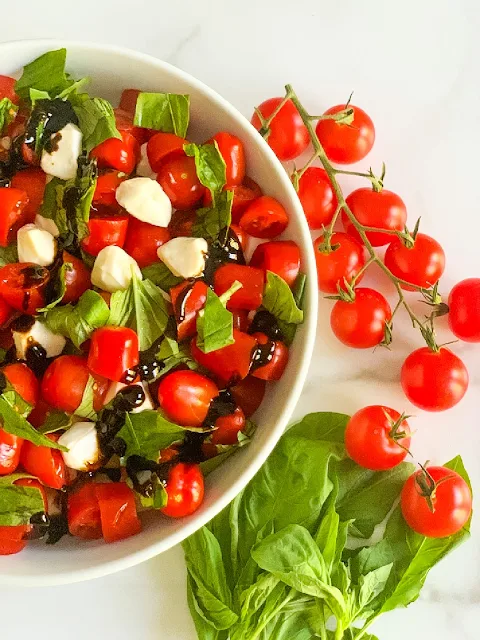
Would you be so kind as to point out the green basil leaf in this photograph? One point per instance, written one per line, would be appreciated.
(289, 329)
(278, 299)
(18, 503)
(204, 629)
(72, 94)
(372, 584)
(212, 220)
(146, 433)
(86, 410)
(52, 205)
(96, 121)
(36, 95)
(210, 166)
(224, 451)
(142, 308)
(171, 354)
(158, 499)
(46, 73)
(55, 421)
(168, 112)
(8, 111)
(8, 255)
(161, 276)
(327, 537)
(61, 287)
(214, 325)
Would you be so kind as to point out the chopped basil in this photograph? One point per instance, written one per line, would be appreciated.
(46, 73)
(86, 410)
(158, 499)
(8, 111)
(171, 354)
(280, 301)
(168, 112)
(8, 255)
(210, 166)
(160, 275)
(96, 121)
(35, 95)
(18, 503)
(215, 321)
(212, 220)
(61, 286)
(147, 432)
(55, 421)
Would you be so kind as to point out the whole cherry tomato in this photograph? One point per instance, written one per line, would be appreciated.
(32, 181)
(13, 213)
(343, 262)
(113, 350)
(275, 355)
(265, 218)
(105, 230)
(7, 89)
(346, 143)
(24, 381)
(228, 427)
(162, 146)
(64, 382)
(252, 280)
(288, 136)
(185, 397)
(178, 178)
(44, 463)
(120, 154)
(233, 153)
(143, 240)
(22, 286)
(279, 256)
(361, 324)
(422, 265)
(318, 200)
(185, 489)
(464, 304)
(10, 450)
(77, 278)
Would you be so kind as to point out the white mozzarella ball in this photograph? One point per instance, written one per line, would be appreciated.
(62, 162)
(185, 257)
(113, 269)
(81, 441)
(47, 225)
(145, 200)
(38, 333)
(143, 167)
(36, 245)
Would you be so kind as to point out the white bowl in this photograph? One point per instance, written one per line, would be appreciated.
(111, 70)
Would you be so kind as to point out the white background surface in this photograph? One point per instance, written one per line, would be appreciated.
(414, 67)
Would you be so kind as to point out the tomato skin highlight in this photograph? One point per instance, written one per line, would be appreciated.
(143, 240)
(228, 428)
(64, 382)
(118, 512)
(288, 135)
(265, 218)
(13, 213)
(318, 199)
(185, 397)
(434, 381)
(279, 256)
(231, 363)
(22, 286)
(113, 350)
(178, 178)
(83, 513)
(361, 324)
(24, 381)
(185, 490)
(343, 262)
(232, 151)
(464, 315)
(44, 463)
(343, 143)
(368, 438)
(252, 280)
(422, 265)
(451, 501)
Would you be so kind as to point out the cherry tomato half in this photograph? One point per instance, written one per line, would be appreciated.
(7, 89)
(252, 280)
(249, 394)
(185, 489)
(22, 286)
(318, 200)
(77, 278)
(118, 511)
(343, 262)
(187, 300)
(32, 181)
(12, 538)
(106, 187)
(114, 153)
(275, 353)
(288, 136)
(44, 463)
(265, 218)
(143, 240)
(464, 304)
(185, 397)
(162, 146)
(24, 381)
(13, 213)
(361, 324)
(233, 153)
(229, 364)
(83, 513)
(279, 256)
(105, 230)
(178, 178)
(10, 450)
(113, 350)
(346, 143)
(422, 265)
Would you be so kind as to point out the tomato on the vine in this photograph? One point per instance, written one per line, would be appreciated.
(464, 304)
(346, 143)
(343, 262)
(185, 489)
(422, 265)
(318, 199)
(361, 324)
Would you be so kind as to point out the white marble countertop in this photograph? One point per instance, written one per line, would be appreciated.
(415, 68)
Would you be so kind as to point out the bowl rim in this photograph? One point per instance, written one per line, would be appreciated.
(309, 328)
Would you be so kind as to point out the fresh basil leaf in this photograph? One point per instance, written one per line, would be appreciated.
(224, 451)
(52, 205)
(289, 329)
(210, 166)
(96, 121)
(61, 287)
(86, 410)
(278, 299)
(46, 73)
(168, 112)
(8, 111)
(371, 585)
(36, 95)
(252, 598)
(212, 220)
(72, 94)
(55, 421)
(8, 255)
(80, 321)
(18, 503)
(146, 433)
(204, 629)
(142, 308)
(171, 354)
(327, 535)
(161, 276)
(214, 325)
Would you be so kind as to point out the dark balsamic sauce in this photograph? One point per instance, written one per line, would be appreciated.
(262, 355)
(51, 116)
(226, 249)
(112, 420)
(36, 359)
(223, 405)
(149, 367)
(180, 305)
(40, 524)
(265, 322)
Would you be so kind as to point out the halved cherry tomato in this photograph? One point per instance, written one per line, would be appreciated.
(13, 213)
(128, 100)
(185, 397)
(7, 89)
(10, 450)
(228, 427)
(118, 511)
(243, 196)
(185, 489)
(106, 187)
(276, 355)
(6, 312)
(162, 146)
(105, 230)
(380, 209)
(318, 200)
(346, 143)
(121, 155)
(240, 319)
(24, 381)
(12, 538)
(143, 240)
(83, 513)
(280, 256)
(265, 218)
(187, 300)
(181, 223)
(241, 236)
(124, 122)
(64, 382)
(249, 393)
(343, 262)
(252, 280)
(33, 182)
(113, 350)
(22, 286)
(464, 315)
(44, 463)
(422, 265)
(77, 278)
(233, 153)
(288, 136)
(229, 364)
(178, 178)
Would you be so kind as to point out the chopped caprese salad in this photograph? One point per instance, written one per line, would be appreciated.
(136, 338)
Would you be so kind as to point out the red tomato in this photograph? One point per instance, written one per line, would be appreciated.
(178, 178)
(22, 286)
(77, 278)
(39, 413)
(114, 153)
(181, 223)
(113, 350)
(12, 538)
(249, 393)
(106, 187)
(162, 146)
(44, 463)
(229, 364)
(233, 153)
(32, 182)
(118, 511)
(265, 218)
(185, 490)
(346, 143)
(280, 256)
(228, 427)
(436, 504)
(434, 381)
(128, 100)
(13, 213)
(243, 196)
(361, 324)
(7, 89)
(6, 312)
(375, 439)
(187, 300)
(143, 240)
(64, 382)
(422, 265)
(185, 397)
(379, 209)
(240, 235)
(105, 230)
(252, 280)
(288, 136)
(276, 353)
(464, 304)
(342, 263)
(10, 450)
(83, 513)
(240, 319)
(124, 122)
(24, 381)
(318, 199)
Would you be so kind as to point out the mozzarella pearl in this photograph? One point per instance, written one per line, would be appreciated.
(63, 161)
(185, 257)
(113, 269)
(38, 334)
(81, 441)
(35, 245)
(145, 200)
(47, 225)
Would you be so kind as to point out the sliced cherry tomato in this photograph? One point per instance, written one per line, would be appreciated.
(187, 300)
(185, 397)
(280, 256)
(252, 280)
(118, 511)
(12, 538)
(6, 312)
(288, 136)
(434, 380)
(106, 187)
(249, 394)
(83, 513)
(436, 502)
(464, 304)
(128, 100)
(422, 265)
(113, 350)
(275, 355)
(105, 230)
(64, 382)
(114, 153)
(243, 196)
(343, 262)
(318, 200)
(376, 438)
(361, 324)
(162, 146)
(233, 153)
(124, 122)
(181, 223)
(229, 364)
(7, 89)
(143, 240)
(44, 463)
(346, 143)
(240, 235)
(13, 213)
(10, 450)
(265, 218)
(24, 381)
(185, 489)
(240, 319)
(22, 286)
(77, 278)
(32, 182)
(178, 178)
(228, 427)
